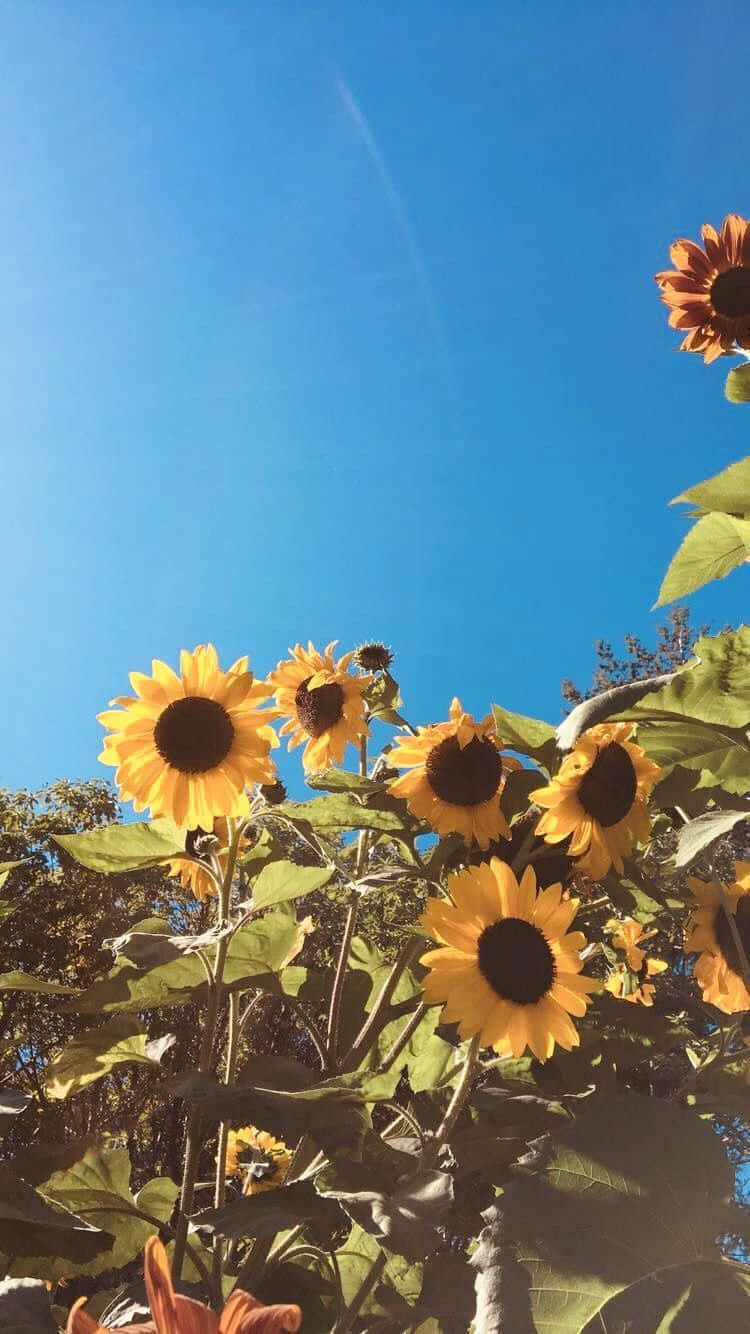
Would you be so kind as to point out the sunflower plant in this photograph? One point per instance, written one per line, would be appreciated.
(522, 1106)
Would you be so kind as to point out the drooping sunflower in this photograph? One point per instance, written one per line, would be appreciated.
(187, 745)
(718, 971)
(708, 291)
(255, 1155)
(505, 968)
(456, 774)
(322, 702)
(192, 873)
(174, 1314)
(598, 798)
(620, 982)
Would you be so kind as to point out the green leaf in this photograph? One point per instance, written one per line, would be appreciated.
(698, 1297)
(355, 1260)
(125, 847)
(528, 736)
(157, 1198)
(24, 982)
(340, 811)
(517, 789)
(403, 1217)
(25, 1308)
(38, 1233)
(98, 1189)
(715, 689)
(282, 881)
(737, 384)
(631, 1189)
(264, 1214)
(341, 780)
(714, 546)
(728, 491)
(700, 833)
(609, 702)
(95, 1053)
(383, 699)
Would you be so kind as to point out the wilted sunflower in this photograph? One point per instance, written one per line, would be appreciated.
(322, 702)
(718, 971)
(708, 291)
(198, 843)
(457, 772)
(506, 969)
(626, 936)
(598, 798)
(255, 1155)
(187, 745)
(174, 1314)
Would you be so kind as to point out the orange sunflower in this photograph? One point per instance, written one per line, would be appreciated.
(598, 798)
(174, 1314)
(718, 971)
(187, 745)
(708, 291)
(626, 937)
(322, 702)
(456, 774)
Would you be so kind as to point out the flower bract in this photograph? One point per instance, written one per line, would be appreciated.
(187, 745)
(506, 968)
(598, 798)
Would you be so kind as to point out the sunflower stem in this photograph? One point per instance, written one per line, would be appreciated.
(460, 1094)
(736, 937)
(193, 1136)
(349, 1314)
(376, 1019)
(337, 991)
(404, 1036)
(220, 1186)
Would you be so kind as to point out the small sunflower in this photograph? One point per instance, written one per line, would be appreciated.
(628, 981)
(255, 1155)
(457, 772)
(192, 874)
(323, 703)
(506, 969)
(598, 798)
(708, 291)
(373, 657)
(718, 971)
(186, 745)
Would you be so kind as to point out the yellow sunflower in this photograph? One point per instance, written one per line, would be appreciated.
(255, 1155)
(186, 745)
(194, 875)
(322, 702)
(625, 937)
(718, 971)
(457, 772)
(708, 291)
(598, 798)
(506, 969)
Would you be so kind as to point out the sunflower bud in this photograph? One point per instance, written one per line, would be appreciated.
(373, 657)
(273, 793)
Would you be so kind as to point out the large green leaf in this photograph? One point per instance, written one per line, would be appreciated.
(700, 833)
(714, 546)
(95, 1053)
(265, 1214)
(340, 811)
(402, 1216)
(39, 1233)
(728, 491)
(24, 982)
(343, 780)
(355, 1260)
(528, 736)
(98, 1189)
(632, 1189)
(716, 686)
(281, 881)
(125, 847)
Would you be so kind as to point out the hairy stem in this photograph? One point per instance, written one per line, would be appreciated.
(460, 1094)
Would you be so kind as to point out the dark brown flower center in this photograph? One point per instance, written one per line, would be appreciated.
(373, 657)
(608, 790)
(725, 939)
(464, 777)
(194, 734)
(730, 293)
(320, 708)
(516, 960)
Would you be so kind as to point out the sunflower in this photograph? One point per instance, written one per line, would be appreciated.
(457, 772)
(708, 291)
(718, 971)
(620, 982)
(506, 969)
(261, 1159)
(174, 1314)
(187, 745)
(322, 702)
(192, 871)
(598, 798)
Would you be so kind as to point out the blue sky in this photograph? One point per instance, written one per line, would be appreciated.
(337, 321)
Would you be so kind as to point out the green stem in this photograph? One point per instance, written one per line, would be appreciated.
(193, 1134)
(220, 1186)
(376, 1019)
(337, 992)
(460, 1094)
(736, 937)
(350, 1313)
(403, 1038)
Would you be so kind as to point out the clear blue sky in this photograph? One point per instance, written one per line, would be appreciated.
(338, 321)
